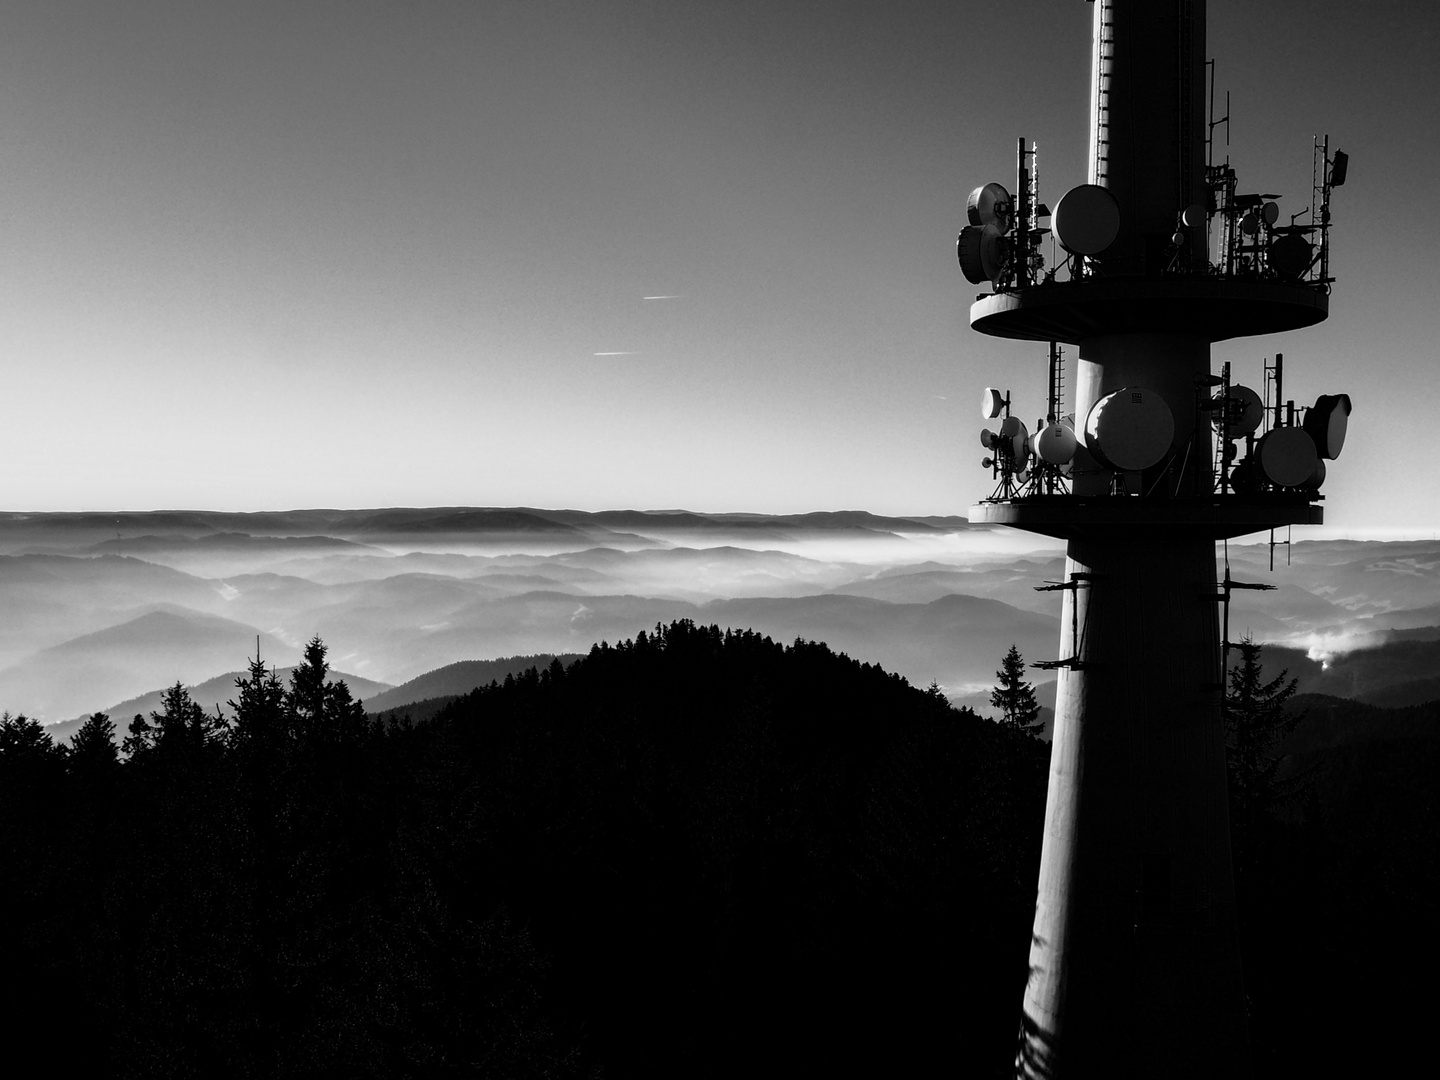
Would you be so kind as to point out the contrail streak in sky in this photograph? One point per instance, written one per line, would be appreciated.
(617, 354)
(672, 296)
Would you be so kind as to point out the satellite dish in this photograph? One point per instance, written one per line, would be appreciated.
(1246, 412)
(1290, 255)
(967, 249)
(1317, 477)
(987, 438)
(994, 250)
(1250, 224)
(1130, 429)
(992, 403)
(1086, 220)
(1194, 216)
(1013, 429)
(1270, 212)
(1326, 422)
(990, 204)
(1023, 476)
(1055, 443)
(1286, 456)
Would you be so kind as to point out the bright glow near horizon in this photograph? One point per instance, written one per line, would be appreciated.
(278, 255)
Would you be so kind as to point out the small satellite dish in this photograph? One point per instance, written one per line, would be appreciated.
(987, 438)
(1317, 477)
(992, 403)
(1013, 428)
(1130, 429)
(994, 250)
(1270, 212)
(967, 249)
(1290, 255)
(1286, 456)
(1086, 220)
(1326, 422)
(989, 204)
(987, 463)
(1250, 224)
(1023, 476)
(1246, 412)
(1194, 216)
(1055, 443)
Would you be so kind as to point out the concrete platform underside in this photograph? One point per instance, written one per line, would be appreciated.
(1210, 517)
(1212, 308)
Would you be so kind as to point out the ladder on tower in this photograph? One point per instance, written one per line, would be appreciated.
(1105, 52)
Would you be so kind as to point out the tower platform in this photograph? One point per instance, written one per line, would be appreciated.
(1216, 517)
(1211, 308)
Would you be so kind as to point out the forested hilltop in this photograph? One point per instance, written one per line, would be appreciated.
(693, 853)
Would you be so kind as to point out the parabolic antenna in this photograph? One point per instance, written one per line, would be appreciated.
(1013, 430)
(1250, 224)
(1246, 411)
(1130, 429)
(1194, 216)
(1290, 255)
(1326, 422)
(1317, 477)
(989, 204)
(1086, 220)
(1055, 443)
(1286, 456)
(987, 438)
(967, 249)
(992, 403)
(1270, 212)
(994, 249)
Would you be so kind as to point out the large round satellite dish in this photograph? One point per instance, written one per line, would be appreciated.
(992, 403)
(1130, 429)
(1317, 477)
(967, 249)
(1055, 443)
(1326, 422)
(1286, 456)
(1194, 216)
(1270, 212)
(994, 249)
(1245, 413)
(1250, 224)
(1086, 220)
(989, 204)
(1290, 255)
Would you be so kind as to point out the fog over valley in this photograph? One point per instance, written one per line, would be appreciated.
(105, 608)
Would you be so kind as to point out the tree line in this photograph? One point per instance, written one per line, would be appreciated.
(697, 852)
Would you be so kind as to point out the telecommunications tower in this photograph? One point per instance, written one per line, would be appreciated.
(1143, 463)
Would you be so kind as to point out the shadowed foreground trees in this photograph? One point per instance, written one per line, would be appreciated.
(692, 854)
(695, 853)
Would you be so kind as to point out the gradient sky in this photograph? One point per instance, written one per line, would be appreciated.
(263, 255)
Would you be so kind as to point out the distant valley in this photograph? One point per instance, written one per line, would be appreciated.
(104, 609)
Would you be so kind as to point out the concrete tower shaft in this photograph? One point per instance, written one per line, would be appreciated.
(1148, 92)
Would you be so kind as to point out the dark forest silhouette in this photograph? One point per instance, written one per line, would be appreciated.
(694, 853)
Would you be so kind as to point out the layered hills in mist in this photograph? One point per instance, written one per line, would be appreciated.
(104, 608)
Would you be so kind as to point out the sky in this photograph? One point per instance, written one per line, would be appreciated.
(595, 255)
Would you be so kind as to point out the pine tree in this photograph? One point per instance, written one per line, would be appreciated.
(1014, 697)
(1256, 723)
